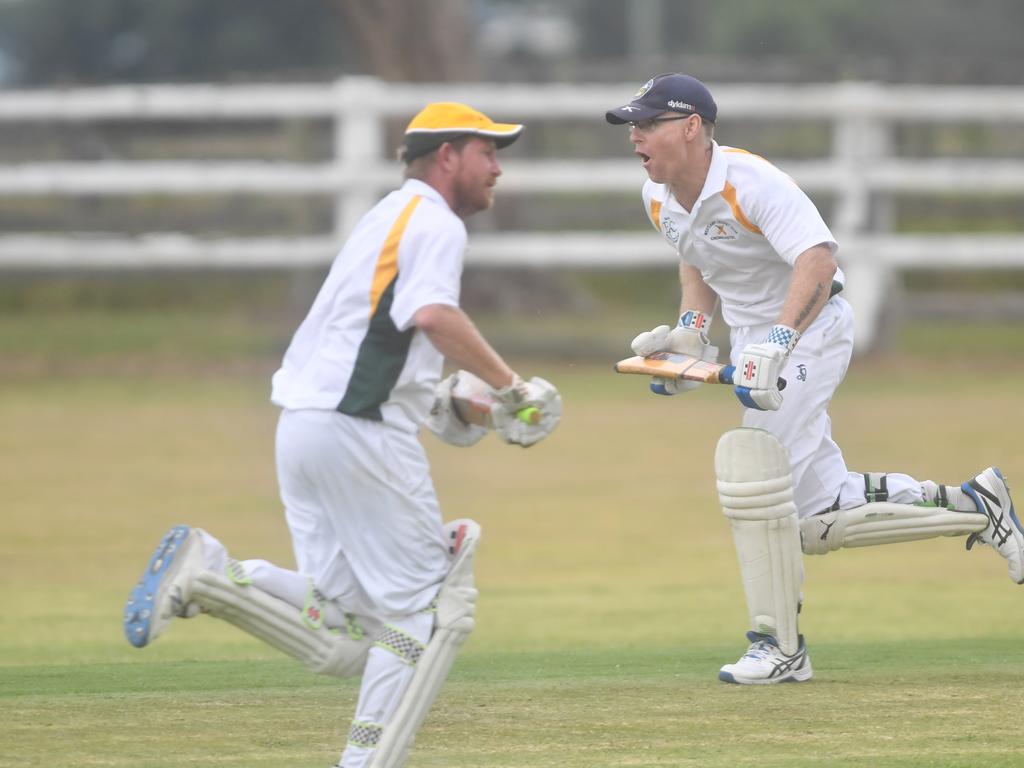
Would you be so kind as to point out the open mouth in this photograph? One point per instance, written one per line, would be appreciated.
(644, 159)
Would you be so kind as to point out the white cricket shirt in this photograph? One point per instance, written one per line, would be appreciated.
(744, 234)
(357, 351)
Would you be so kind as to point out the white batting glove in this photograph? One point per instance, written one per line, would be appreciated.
(759, 367)
(444, 420)
(689, 337)
(514, 395)
(516, 426)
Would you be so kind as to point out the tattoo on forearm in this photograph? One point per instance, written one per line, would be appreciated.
(811, 304)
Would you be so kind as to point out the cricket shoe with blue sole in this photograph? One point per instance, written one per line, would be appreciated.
(765, 663)
(164, 590)
(1004, 533)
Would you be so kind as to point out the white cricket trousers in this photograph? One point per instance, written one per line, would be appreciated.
(366, 527)
(362, 511)
(813, 372)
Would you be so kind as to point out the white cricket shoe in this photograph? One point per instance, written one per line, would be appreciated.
(165, 588)
(764, 662)
(1004, 533)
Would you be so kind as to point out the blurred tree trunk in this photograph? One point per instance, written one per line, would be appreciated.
(415, 41)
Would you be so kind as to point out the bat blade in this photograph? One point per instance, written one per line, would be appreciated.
(672, 365)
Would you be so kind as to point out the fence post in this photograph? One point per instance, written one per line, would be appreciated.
(861, 137)
(358, 146)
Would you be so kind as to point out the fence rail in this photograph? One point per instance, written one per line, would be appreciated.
(861, 166)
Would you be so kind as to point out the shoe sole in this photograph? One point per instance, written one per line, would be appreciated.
(138, 612)
(794, 677)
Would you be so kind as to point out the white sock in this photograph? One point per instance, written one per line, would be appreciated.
(948, 496)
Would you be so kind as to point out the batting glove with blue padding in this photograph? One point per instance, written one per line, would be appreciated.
(759, 367)
(689, 337)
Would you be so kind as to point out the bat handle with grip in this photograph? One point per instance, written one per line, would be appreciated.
(728, 374)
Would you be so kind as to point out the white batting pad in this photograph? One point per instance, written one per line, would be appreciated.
(456, 605)
(755, 489)
(883, 522)
(279, 624)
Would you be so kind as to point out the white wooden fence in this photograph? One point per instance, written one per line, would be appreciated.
(863, 118)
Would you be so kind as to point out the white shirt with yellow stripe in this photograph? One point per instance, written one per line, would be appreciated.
(357, 351)
(745, 232)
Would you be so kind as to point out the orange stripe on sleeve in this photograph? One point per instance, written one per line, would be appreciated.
(729, 193)
(656, 214)
(387, 261)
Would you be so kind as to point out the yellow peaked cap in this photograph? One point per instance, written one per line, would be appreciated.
(449, 117)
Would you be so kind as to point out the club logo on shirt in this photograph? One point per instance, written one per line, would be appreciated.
(670, 229)
(720, 230)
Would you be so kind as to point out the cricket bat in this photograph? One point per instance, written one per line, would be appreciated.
(672, 365)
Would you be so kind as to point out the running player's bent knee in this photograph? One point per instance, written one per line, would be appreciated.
(755, 489)
(883, 522)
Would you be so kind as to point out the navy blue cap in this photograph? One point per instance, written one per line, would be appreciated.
(671, 92)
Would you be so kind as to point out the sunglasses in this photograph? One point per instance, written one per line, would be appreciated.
(648, 125)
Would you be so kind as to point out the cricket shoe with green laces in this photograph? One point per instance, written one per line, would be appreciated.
(1004, 533)
(163, 592)
(764, 663)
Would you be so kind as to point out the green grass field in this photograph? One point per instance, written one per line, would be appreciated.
(610, 593)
